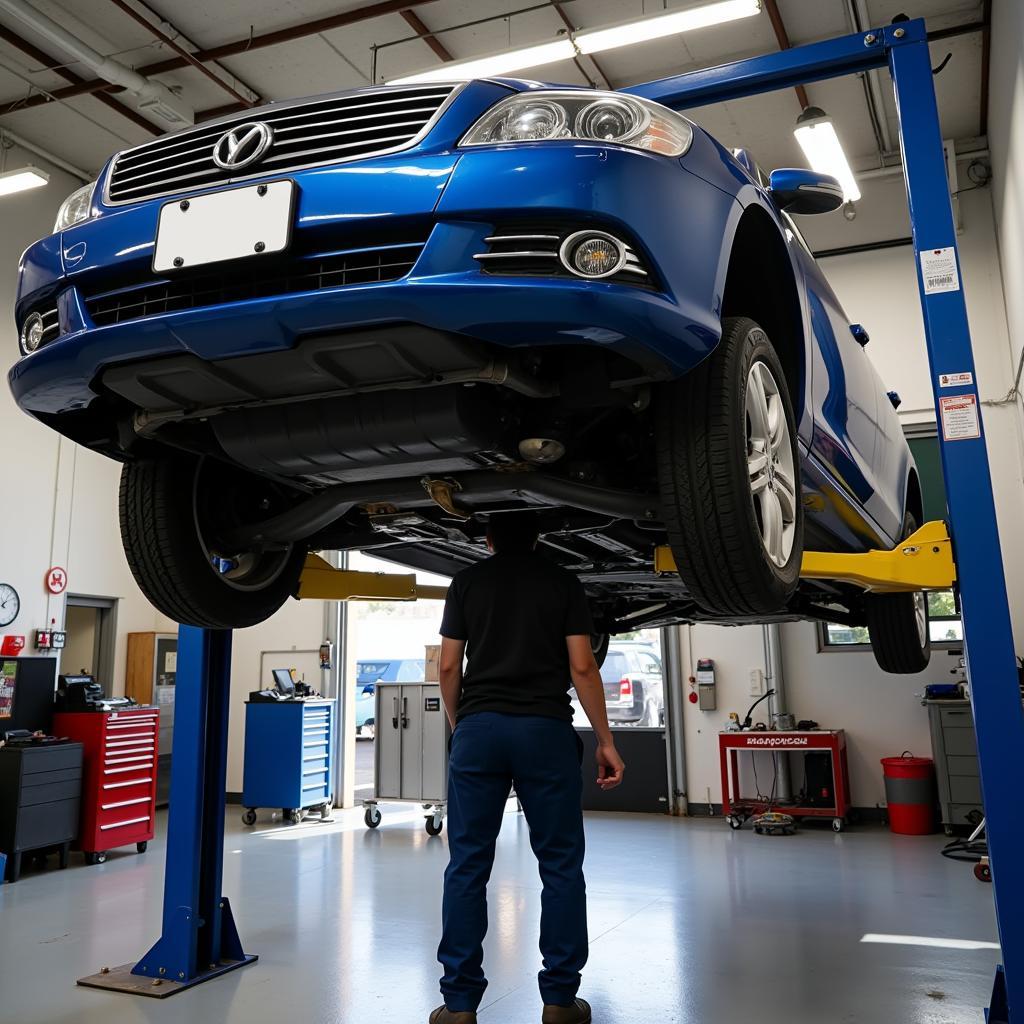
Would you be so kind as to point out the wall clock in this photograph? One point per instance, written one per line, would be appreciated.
(10, 604)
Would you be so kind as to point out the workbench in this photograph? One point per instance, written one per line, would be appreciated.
(737, 809)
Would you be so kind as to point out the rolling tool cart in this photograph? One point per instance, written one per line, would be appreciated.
(289, 756)
(119, 776)
(411, 759)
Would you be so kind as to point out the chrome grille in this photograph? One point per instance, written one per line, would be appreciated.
(305, 134)
(153, 297)
(51, 326)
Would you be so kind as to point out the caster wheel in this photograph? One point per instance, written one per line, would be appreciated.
(89, 858)
(734, 822)
(142, 847)
(325, 812)
(372, 817)
(982, 872)
(837, 824)
(948, 829)
(249, 816)
(294, 815)
(434, 825)
(101, 857)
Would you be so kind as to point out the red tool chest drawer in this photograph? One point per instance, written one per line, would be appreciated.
(119, 776)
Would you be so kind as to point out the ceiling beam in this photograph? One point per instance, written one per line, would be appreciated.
(986, 49)
(415, 22)
(156, 31)
(571, 29)
(245, 45)
(782, 37)
(48, 62)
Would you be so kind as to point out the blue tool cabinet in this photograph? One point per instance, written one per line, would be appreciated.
(289, 757)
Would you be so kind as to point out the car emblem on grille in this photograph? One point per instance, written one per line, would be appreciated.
(241, 146)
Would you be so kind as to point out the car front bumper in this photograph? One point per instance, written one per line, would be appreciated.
(452, 201)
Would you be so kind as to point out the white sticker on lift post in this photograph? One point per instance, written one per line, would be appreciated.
(960, 417)
(956, 380)
(938, 270)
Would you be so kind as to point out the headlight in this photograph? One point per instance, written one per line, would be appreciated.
(76, 208)
(588, 116)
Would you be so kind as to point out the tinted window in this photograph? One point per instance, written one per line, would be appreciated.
(615, 667)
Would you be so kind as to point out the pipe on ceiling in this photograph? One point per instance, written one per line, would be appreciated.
(155, 98)
(858, 13)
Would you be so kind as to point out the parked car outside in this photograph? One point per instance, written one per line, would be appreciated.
(368, 674)
(634, 686)
(363, 320)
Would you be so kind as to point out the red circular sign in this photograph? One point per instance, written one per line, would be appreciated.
(56, 580)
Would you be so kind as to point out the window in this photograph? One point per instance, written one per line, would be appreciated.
(944, 625)
(615, 667)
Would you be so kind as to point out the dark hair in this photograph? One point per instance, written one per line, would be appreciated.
(513, 531)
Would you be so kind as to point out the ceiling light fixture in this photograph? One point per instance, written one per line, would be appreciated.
(592, 41)
(22, 179)
(818, 139)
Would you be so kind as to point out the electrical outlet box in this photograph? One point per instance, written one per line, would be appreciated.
(756, 682)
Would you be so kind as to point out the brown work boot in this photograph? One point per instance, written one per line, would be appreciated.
(578, 1013)
(442, 1015)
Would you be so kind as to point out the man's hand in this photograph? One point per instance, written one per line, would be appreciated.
(609, 766)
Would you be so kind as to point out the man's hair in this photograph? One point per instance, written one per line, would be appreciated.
(513, 531)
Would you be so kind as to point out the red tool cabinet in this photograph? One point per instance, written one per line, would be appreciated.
(118, 778)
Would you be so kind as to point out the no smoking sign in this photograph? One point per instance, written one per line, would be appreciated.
(56, 580)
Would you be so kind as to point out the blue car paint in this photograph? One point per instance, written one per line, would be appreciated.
(680, 215)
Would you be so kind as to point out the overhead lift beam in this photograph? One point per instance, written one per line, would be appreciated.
(199, 940)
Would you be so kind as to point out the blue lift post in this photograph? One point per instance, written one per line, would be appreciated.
(991, 661)
(199, 940)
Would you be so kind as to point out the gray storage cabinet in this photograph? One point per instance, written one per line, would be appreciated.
(955, 751)
(411, 755)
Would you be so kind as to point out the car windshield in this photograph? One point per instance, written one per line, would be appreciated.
(371, 671)
(615, 667)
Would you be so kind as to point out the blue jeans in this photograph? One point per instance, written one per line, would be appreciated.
(490, 753)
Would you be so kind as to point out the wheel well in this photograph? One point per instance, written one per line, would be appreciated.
(915, 501)
(760, 284)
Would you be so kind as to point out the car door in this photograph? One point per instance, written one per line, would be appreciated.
(654, 686)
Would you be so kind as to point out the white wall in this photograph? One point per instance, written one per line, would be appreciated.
(881, 713)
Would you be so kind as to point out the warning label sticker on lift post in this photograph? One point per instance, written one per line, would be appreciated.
(960, 417)
(938, 270)
(956, 380)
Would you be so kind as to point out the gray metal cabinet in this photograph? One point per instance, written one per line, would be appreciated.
(955, 750)
(411, 743)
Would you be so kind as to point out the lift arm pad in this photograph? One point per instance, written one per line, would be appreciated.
(321, 581)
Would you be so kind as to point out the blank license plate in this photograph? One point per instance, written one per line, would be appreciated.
(231, 225)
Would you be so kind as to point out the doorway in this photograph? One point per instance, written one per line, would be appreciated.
(90, 624)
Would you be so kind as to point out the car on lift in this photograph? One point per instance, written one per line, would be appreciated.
(363, 320)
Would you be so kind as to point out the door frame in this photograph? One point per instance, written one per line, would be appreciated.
(106, 634)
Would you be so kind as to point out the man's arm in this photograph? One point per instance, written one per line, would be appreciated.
(586, 677)
(451, 674)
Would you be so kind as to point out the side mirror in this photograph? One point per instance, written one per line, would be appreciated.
(797, 190)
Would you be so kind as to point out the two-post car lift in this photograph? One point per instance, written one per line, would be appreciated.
(199, 939)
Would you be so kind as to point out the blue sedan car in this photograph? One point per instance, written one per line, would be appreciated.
(363, 320)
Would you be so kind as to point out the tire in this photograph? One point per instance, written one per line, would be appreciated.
(707, 443)
(172, 510)
(371, 817)
(898, 626)
(599, 646)
(249, 816)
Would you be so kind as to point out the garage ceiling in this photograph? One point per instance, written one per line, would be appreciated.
(311, 58)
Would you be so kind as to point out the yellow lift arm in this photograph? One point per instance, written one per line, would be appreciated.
(924, 561)
(321, 581)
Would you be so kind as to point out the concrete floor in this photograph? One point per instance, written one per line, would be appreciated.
(690, 922)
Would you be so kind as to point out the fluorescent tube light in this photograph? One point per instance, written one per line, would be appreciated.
(592, 41)
(596, 40)
(929, 941)
(21, 180)
(817, 137)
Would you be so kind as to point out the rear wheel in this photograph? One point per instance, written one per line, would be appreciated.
(898, 626)
(599, 645)
(728, 476)
(174, 512)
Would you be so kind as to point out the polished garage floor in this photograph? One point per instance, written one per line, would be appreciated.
(689, 922)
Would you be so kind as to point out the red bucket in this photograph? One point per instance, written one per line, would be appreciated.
(910, 794)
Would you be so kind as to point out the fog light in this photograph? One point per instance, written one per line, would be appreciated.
(32, 332)
(592, 254)
(541, 450)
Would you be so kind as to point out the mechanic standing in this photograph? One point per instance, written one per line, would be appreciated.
(525, 626)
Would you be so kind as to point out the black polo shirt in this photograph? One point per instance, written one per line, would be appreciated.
(514, 610)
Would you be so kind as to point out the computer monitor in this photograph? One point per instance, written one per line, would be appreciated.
(283, 681)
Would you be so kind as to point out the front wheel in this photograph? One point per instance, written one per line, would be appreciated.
(898, 626)
(728, 476)
(175, 513)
